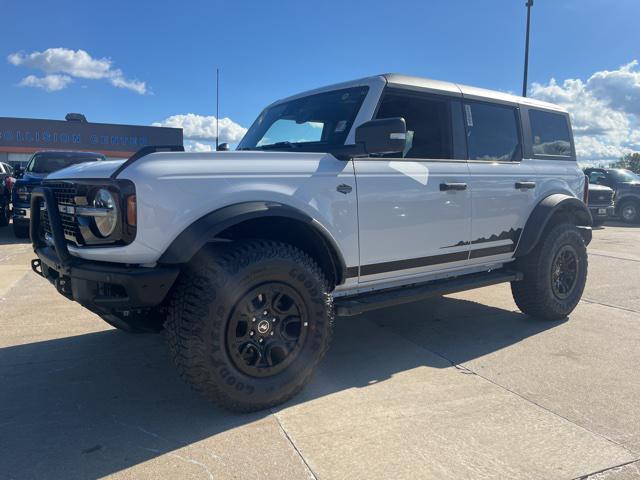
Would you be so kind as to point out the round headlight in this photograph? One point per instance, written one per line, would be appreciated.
(107, 221)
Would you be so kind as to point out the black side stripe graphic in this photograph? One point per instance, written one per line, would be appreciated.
(384, 267)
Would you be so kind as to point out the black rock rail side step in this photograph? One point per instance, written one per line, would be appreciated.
(363, 302)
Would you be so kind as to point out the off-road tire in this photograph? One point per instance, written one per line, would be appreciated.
(4, 213)
(149, 321)
(20, 231)
(534, 294)
(633, 204)
(203, 302)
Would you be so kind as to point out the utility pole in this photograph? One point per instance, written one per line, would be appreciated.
(218, 104)
(529, 4)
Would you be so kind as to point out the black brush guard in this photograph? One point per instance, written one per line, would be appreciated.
(100, 286)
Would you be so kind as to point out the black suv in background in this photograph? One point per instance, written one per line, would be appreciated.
(40, 165)
(600, 203)
(626, 187)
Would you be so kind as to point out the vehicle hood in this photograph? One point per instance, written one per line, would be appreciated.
(598, 188)
(30, 178)
(102, 169)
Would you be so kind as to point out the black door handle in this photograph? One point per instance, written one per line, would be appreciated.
(525, 185)
(452, 186)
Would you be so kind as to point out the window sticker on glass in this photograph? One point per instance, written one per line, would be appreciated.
(340, 126)
(467, 110)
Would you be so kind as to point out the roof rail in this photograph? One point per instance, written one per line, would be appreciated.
(144, 151)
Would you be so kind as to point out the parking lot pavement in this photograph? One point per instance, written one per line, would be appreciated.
(457, 387)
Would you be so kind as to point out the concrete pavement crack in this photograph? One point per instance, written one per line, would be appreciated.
(587, 300)
(284, 432)
(585, 477)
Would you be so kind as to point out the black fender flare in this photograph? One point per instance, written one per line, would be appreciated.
(206, 228)
(542, 213)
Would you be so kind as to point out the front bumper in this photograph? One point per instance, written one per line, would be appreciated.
(604, 211)
(100, 286)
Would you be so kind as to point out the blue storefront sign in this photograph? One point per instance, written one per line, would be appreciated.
(55, 134)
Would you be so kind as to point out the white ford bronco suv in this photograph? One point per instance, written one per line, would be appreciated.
(344, 199)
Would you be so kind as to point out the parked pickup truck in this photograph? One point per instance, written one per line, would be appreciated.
(626, 187)
(341, 200)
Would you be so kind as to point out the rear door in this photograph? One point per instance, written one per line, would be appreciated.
(502, 183)
(414, 208)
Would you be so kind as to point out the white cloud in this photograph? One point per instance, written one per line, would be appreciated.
(50, 83)
(77, 64)
(605, 110)
(201, 127)
(198, 147)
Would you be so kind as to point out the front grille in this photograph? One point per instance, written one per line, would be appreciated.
(65, 196)
(601, 198)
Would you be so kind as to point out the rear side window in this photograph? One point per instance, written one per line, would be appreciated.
(428, 123)
(493, 132)
(549, 134)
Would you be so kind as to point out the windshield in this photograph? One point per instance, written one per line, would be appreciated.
(51, 162)
(314, 123)
(623, 175)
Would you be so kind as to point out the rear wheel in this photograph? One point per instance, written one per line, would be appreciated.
(249, 323)
(630, 211)
(555, 273)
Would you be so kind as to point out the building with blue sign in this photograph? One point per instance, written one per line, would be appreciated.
(21, 137)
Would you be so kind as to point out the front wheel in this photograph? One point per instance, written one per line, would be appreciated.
(555, 273)
(249, 322)
(630, 212)
(20, 231)
(4, 213)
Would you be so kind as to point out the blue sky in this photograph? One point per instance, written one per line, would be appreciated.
(154, 61)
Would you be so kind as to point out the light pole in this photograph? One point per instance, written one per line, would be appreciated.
(529, 4)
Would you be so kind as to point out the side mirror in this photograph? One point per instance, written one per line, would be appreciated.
(223, 147)
(384, 135)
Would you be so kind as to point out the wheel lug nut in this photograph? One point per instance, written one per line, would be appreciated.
(265, 313)
(261, 340)
(273, 320)
(251, 333)
(253, 319)
(271, 333)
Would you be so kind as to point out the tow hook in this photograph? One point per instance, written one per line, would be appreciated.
(36, 266)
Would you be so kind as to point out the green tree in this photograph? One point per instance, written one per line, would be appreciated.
(631, 161)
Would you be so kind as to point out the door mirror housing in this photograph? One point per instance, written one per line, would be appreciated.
(383, 135)
(223, 147)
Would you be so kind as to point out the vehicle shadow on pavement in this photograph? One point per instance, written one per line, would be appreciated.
(91, 405)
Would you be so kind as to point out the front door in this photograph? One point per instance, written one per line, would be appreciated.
(414, 208)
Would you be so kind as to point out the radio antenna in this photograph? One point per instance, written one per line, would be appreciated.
(217, 104)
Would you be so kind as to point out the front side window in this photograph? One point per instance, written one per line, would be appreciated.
(492, 132)
(428, 123)
(549, 133)
(313, 123)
